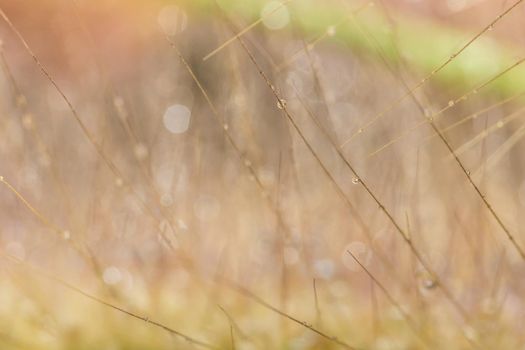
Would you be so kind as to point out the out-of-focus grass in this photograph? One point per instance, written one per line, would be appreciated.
(424, 43)
(243, 198)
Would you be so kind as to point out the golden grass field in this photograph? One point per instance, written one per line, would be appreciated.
(262, 174)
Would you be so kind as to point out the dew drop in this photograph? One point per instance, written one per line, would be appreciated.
(355, 180)
(281, 104)
(27, 121)
(360, 131)
(267, 177)
(177, 119)
(118, 102)
(500, 124)
(451, 103)
(324, 268)
(181, 224)
(66, 235)
(275, 15)
(141, 151)
(428, 283)
(330, 31)
(470, 333)
(119, 182)
(112, 275)
(225, 127)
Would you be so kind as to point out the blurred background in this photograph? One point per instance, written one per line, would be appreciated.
(261, 174)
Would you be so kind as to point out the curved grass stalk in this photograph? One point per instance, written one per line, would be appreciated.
(41, 273)
(483, 134)
(450, 105)
(475, 115)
